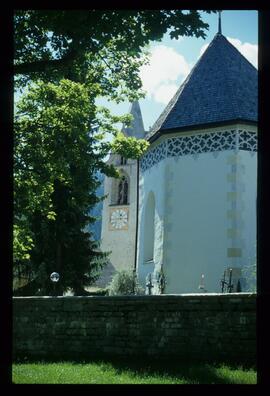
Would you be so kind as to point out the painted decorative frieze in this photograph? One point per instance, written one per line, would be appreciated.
(199, 143)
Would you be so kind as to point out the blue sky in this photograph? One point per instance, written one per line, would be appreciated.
(172, 60)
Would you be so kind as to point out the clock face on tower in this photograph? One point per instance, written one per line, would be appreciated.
(119, 219)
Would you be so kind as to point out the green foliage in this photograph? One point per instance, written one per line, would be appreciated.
(129, 147)
(124, 283)
(54, 184)
(22, 243)
(56, 44)
(58, 151)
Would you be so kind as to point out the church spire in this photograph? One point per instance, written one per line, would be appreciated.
(219, 23)
(136, 129)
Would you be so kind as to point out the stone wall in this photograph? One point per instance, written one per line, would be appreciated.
(195, 326)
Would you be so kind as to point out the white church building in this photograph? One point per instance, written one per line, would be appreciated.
(187, 214)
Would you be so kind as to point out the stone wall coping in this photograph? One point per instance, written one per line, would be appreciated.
(144, 297)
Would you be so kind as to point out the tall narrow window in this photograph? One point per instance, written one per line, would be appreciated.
(123, 161)
(149, 228)
(123, 192)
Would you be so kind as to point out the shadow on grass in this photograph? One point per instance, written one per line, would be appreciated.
(202, 373)
(192, 372)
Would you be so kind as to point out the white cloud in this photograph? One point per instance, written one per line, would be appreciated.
(250, 51)
(165, 92)
(164, 68)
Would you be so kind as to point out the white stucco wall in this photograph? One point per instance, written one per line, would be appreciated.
(247, 200)
(205, 217)
(155, 183)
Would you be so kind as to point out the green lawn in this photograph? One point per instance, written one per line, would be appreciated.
(101, 372)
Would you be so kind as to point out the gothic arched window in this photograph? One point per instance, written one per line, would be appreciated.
(123, 191)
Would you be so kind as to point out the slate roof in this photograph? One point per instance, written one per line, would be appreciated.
(221, 87)
(136, 128)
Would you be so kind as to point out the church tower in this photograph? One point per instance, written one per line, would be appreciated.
(119, 214)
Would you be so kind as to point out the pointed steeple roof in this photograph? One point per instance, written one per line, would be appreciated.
(136, 128)
(221, 87)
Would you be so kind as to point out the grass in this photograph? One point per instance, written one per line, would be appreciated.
(135, 372)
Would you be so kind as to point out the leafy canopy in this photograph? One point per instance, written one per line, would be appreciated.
(56, 39)
(56, 139)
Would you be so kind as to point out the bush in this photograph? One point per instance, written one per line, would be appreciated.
(124, 283)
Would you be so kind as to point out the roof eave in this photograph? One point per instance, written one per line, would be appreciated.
(159, 133)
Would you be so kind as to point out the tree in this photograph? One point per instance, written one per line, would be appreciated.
(57, 154)
(60, 43)
(64, 60)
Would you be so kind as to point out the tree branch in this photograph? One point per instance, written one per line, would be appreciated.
(43, 65)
